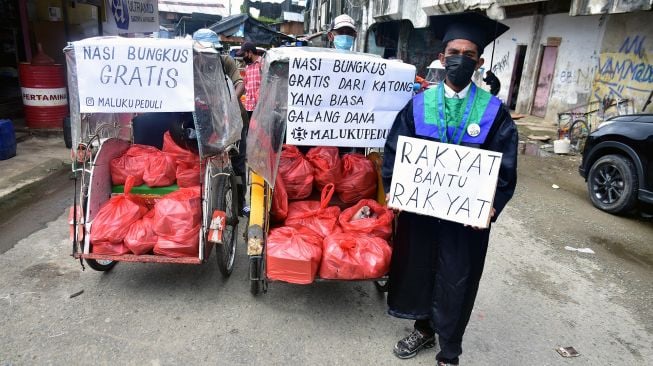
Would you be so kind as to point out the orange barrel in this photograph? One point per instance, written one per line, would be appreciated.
(44, 95)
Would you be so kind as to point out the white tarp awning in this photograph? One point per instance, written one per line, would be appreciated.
(211, 7)
(293, 17)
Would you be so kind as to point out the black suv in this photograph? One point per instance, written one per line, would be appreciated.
(618, 163)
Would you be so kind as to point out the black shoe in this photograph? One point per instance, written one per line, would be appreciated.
(412, 344)
(245, 211)
(446, 362)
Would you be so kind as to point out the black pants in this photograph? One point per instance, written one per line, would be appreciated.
(239, 161)
(460, 260)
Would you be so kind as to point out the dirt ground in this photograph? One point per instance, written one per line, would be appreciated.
(623, 245)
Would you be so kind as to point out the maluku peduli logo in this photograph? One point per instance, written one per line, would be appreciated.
(120, 11)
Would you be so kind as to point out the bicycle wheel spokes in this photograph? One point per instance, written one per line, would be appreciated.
(578, 134)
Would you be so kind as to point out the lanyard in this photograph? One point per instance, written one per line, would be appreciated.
(462, 126)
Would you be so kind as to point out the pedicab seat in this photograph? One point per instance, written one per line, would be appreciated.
(149, 128)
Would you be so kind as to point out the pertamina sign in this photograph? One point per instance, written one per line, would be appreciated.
(37, 97)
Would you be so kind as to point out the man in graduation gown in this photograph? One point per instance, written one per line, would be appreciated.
(437, 264)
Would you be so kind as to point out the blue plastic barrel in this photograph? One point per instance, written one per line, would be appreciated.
(7, 139)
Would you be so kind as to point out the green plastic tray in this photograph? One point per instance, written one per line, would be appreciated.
(144, 189)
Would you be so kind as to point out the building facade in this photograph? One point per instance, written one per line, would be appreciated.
(558, 55)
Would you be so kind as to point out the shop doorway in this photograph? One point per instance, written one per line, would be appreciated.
(515, 80)
(544, 80)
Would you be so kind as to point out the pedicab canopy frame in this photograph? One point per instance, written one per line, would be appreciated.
(111, 80)
(316, 97)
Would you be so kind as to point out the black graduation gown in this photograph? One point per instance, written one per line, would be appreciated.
(414, 256)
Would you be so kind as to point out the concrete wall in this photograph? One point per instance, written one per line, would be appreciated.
(520, 33)
(577, 59)
(598, 55)
(576, 64)
(625, 66)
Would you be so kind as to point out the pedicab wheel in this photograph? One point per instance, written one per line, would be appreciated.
(101, 265)
(382, 285)
(226, 252)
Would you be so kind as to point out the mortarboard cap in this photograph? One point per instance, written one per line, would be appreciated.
(472, 26)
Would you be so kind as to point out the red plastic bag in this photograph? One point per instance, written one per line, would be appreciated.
(140, 238)
(177, 219)
(293, 254)
(378, 223)
(177, 212)
(116, 216)
(186, 244)
(107, 248)
(352, 256)
(133, 162)
(315, 215)
(188, 173)
(297, 173)
(279, 210)
(359, 179)
(327, 164)
(161, 170)
(179, 153)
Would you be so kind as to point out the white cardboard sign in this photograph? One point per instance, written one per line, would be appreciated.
(450, 182)
(343, 99)
(134, 75)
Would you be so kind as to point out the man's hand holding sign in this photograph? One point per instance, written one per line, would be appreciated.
(446, 181)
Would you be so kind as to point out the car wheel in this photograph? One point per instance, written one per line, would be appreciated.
(612, 184)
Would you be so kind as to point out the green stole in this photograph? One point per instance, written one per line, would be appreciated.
(454, 108)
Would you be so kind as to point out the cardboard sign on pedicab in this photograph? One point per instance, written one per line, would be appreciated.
(450, 182)
(134, 75)
(344, 99)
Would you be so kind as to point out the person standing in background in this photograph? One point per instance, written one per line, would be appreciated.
(229, 65)
(230, 69)
(252, 75)
(252, 85)
(342, 32)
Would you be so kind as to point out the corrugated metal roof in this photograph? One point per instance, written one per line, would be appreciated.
(193, 6)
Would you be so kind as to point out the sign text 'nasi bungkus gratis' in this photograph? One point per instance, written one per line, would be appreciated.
(119, 75)
(345, 99)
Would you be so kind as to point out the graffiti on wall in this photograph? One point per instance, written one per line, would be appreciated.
(574, 81)
(627, 73)
(502, 64)
(581, 77)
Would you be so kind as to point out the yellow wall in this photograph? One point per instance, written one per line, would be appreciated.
(80, 14)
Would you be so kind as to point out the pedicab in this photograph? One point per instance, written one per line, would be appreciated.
(171, 99)
(312, 102)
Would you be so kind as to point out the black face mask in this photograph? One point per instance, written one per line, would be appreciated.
(459, 69)
(247, 60)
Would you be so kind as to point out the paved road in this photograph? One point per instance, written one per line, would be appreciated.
(34, 208)
(534, 296)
